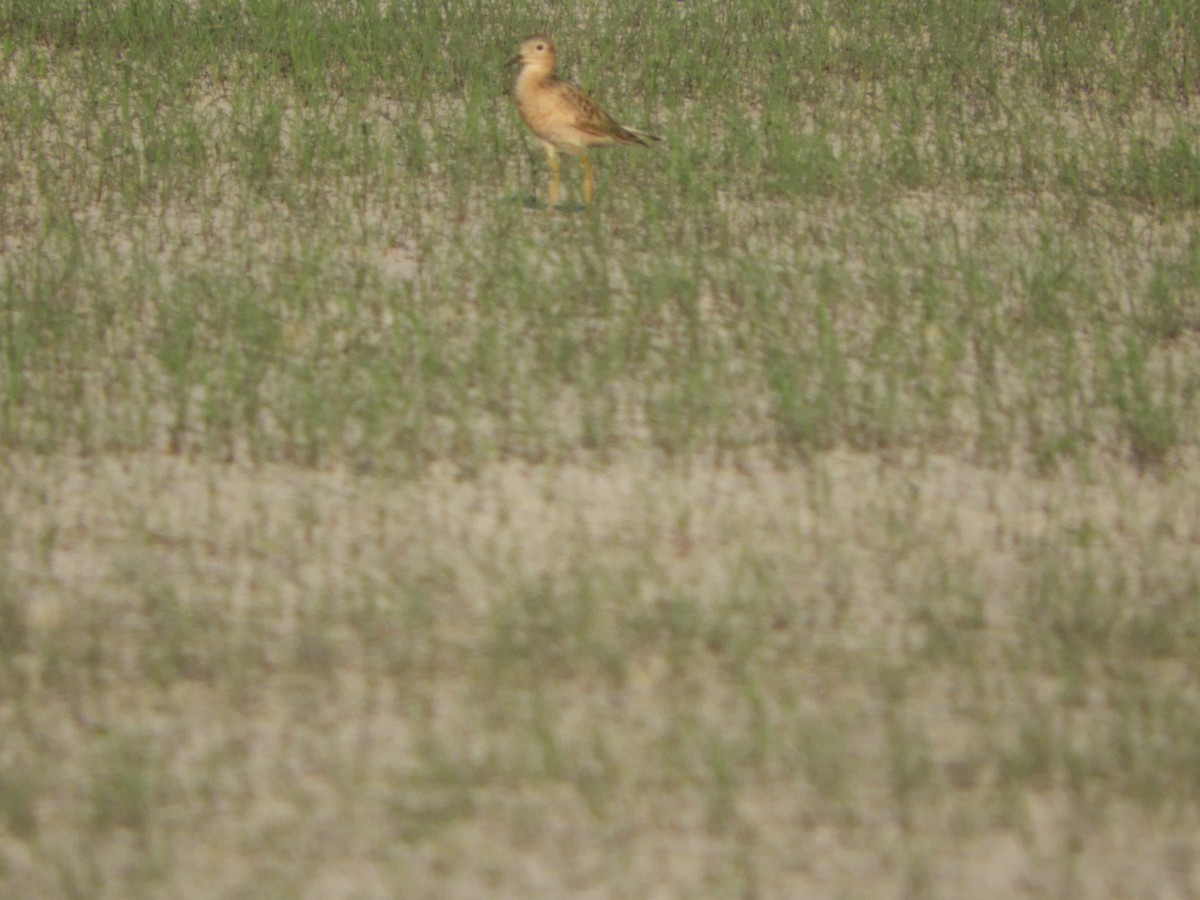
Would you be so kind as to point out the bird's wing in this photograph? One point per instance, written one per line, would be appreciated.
(591, 119)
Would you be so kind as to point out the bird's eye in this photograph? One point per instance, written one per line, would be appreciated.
(541, 46)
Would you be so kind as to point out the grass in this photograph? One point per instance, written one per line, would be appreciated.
(813, 516)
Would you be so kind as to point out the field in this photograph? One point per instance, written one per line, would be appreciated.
(815, 515)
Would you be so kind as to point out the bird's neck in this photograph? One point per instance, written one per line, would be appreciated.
(533, 77)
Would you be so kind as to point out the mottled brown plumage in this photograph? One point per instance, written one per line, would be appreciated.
(561, 115)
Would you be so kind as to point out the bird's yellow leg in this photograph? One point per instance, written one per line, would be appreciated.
(552, 157)
(588, 179)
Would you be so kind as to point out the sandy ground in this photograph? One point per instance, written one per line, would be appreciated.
(540, 520)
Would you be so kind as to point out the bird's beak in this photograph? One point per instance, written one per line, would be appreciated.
(516, 60)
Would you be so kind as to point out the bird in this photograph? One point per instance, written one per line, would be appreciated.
(562, 116)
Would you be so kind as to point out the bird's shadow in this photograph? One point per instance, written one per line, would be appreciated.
(534, 204)
(530, 203)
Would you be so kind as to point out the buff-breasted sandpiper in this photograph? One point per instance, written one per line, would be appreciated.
(562, 116)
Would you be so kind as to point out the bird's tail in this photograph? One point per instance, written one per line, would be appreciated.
(639, 137)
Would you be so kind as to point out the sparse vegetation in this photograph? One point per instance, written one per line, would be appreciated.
(816, 515)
